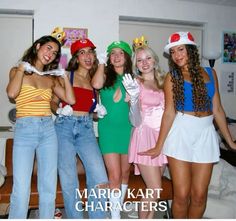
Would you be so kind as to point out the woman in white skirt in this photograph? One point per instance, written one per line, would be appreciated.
(187, 135)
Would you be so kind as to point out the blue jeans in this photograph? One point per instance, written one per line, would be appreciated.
(76, 136)
(34, 134)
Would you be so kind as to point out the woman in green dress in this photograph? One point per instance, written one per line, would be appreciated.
(114, 129)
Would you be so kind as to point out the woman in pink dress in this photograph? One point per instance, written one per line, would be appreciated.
(146, 109)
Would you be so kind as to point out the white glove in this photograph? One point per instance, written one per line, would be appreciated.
(56, 72)
(132, 87)
(65, 111)
(28, 67)
(101, 110)
(102, 58)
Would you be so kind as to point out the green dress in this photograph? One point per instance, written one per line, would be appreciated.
(114, 129)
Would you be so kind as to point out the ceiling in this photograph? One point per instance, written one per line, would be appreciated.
(215, 2)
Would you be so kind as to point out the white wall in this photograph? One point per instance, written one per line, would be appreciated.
(102, 20)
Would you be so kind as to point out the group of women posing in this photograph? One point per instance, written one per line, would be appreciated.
(152, 118)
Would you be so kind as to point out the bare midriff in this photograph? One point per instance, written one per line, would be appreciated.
(199, 114)
(80, 113)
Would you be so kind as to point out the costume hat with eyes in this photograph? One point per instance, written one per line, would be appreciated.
(59, 34)
(179, 38)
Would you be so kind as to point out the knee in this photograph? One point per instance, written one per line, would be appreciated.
(182, 198)
(198, 198)
(125, 173)
(115, 179)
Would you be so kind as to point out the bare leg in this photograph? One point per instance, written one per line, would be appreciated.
(152, 178)
(201, 176)
(125, 168)
(181, 178)
(125, 171)
(118, 171)
(113, 165)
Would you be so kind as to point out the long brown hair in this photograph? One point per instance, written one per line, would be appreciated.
(31, 54)
(201, 100)
(111, 74)
(73, 64)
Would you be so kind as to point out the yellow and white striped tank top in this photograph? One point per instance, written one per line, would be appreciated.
(33, 101)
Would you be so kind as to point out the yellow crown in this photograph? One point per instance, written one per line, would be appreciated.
(139, 42)
(59, 34)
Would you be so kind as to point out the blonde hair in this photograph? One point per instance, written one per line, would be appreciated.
(158, 74)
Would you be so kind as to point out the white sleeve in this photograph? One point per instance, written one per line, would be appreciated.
(135, 113)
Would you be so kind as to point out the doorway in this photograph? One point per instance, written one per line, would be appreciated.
(16, 36)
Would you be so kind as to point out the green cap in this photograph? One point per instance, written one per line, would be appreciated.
(119, 44)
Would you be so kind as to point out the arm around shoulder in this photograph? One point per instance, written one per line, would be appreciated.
(99, 77)
(64, 90)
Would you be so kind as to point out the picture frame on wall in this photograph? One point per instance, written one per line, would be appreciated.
(74, 34)
(229, 47)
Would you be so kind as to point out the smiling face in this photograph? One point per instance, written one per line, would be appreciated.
(145, 61)
(117, 58)
(179, 55)
(47, 52)
(86, 58)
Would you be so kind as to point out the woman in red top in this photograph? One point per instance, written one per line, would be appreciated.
(74, 126)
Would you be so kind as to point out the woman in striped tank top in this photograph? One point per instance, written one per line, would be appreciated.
(31, 85)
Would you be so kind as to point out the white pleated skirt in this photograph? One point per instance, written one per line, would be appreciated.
(192, 139)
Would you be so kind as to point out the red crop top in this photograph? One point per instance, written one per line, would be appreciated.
(85, 99)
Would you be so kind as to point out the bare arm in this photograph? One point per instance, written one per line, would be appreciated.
(167, 119)
(64, 90)
(219, 115)
(16, 76)
(99, 77)
(54, 104)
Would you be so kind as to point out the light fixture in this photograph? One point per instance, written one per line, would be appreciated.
(212, 57)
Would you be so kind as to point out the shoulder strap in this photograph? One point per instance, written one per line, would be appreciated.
(94, 101)
(72, 77)
(209, 72)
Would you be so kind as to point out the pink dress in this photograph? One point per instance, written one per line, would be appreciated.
(145, 136)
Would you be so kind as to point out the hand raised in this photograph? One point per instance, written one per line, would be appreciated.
(132, 87)
(28, 67)
(102, 58)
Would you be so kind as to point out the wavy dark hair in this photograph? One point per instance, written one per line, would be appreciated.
(73, 64)
(111, 74)
(31, 54)
(201, 100)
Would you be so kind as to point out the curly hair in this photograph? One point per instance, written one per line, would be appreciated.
(31, 54)
(159, 74)
(73, 64)
(111, 74)
(200, 98)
